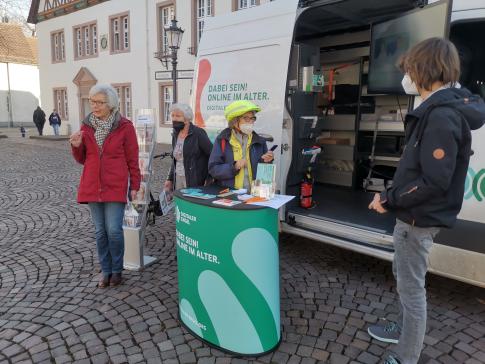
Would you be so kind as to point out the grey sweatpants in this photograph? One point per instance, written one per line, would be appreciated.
(411, 249)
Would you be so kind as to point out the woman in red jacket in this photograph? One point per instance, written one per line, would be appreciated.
(107, 147)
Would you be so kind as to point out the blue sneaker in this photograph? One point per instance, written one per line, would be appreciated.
(391, 360)
(389, 333)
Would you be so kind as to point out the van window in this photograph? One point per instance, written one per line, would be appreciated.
(468, 38)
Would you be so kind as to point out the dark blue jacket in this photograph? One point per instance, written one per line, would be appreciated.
(55, 118)
(221, 164)
(196, 151)
(429, 183)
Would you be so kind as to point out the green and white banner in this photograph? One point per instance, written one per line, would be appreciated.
(228, 276)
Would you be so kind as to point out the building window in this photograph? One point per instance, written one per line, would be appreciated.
(165, 15)
(58, 46)
(60, 102)
(204, 10)
(85, 41)
(166, 97)
(124, 95)
(120, 33)
(244, 4)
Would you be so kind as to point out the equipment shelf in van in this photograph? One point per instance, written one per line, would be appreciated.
(338, 122)
(396, 126)
(309, 127)
(341, 152)
(329, 176)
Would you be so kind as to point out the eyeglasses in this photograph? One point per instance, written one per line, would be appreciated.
(249, 118)
(97, 102)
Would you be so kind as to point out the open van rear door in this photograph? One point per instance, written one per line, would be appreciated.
(334, 23)
(244, 55)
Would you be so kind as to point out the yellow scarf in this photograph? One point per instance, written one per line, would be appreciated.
(238, 154)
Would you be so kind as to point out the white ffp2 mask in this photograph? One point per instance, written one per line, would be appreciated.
(409, 86)
(246, 128)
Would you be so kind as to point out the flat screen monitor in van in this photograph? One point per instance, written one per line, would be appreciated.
(390, 39)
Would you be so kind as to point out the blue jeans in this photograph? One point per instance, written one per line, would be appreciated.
(56, 129)
(110, 243)
(411, 250)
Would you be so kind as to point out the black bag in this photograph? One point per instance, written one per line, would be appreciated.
(154, 206)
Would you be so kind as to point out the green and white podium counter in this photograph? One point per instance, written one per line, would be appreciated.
(228, 274)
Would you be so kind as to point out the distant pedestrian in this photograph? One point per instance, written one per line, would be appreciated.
(39, 119)
(55, 121)
(22, 131)
(107, 147)
(427, 192)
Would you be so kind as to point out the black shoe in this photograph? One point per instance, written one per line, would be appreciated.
(104, 281)
(115, 279)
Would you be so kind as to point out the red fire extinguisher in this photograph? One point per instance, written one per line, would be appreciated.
(306, 190)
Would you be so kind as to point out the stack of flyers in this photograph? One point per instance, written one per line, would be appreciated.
(244, 197)
(141, 195)
(166, 202)
(144, 163)
(226, 202)
(196, 193)
(131, 217)
(202, 196)
(145, 134)
(188, 191)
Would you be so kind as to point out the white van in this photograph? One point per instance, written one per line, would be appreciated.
(273, 55)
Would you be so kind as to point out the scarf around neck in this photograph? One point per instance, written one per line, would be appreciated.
(102, 127)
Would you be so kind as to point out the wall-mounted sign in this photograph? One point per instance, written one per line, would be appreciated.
(185, 74)
(103, 42)
(167, 75)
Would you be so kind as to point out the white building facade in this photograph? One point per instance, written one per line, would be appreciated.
(19, 77)
(83, 42)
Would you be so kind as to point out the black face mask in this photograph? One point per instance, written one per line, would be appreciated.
(177, 125)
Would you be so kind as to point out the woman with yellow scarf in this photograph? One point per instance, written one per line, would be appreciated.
(238, 149)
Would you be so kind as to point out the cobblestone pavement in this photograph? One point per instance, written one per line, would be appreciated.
(52, 312)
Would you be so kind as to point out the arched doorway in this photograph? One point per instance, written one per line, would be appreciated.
(84, 80)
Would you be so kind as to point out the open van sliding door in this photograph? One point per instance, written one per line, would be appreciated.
(244, 55)
(333, 18)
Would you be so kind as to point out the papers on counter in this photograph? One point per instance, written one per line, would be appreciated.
(240, 191)
(226, 202)
(244, 197)
(276, 202)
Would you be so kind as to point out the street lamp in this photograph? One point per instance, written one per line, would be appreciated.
(174, 38)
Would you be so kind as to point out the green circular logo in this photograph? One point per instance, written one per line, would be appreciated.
(479, 185)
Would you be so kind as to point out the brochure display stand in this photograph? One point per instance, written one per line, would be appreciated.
(228, 272)
(134, 221)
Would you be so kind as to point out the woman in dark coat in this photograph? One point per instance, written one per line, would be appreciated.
(191, 148)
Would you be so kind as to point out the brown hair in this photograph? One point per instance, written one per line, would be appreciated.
(432, 60)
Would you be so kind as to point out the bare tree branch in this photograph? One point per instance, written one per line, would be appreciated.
(16, 11)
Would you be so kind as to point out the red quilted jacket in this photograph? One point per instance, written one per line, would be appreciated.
(107, 170)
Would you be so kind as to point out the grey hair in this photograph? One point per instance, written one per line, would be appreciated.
(185, 109)
(233, 122)
(110, 93)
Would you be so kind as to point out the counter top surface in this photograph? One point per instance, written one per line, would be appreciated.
(215, 190)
